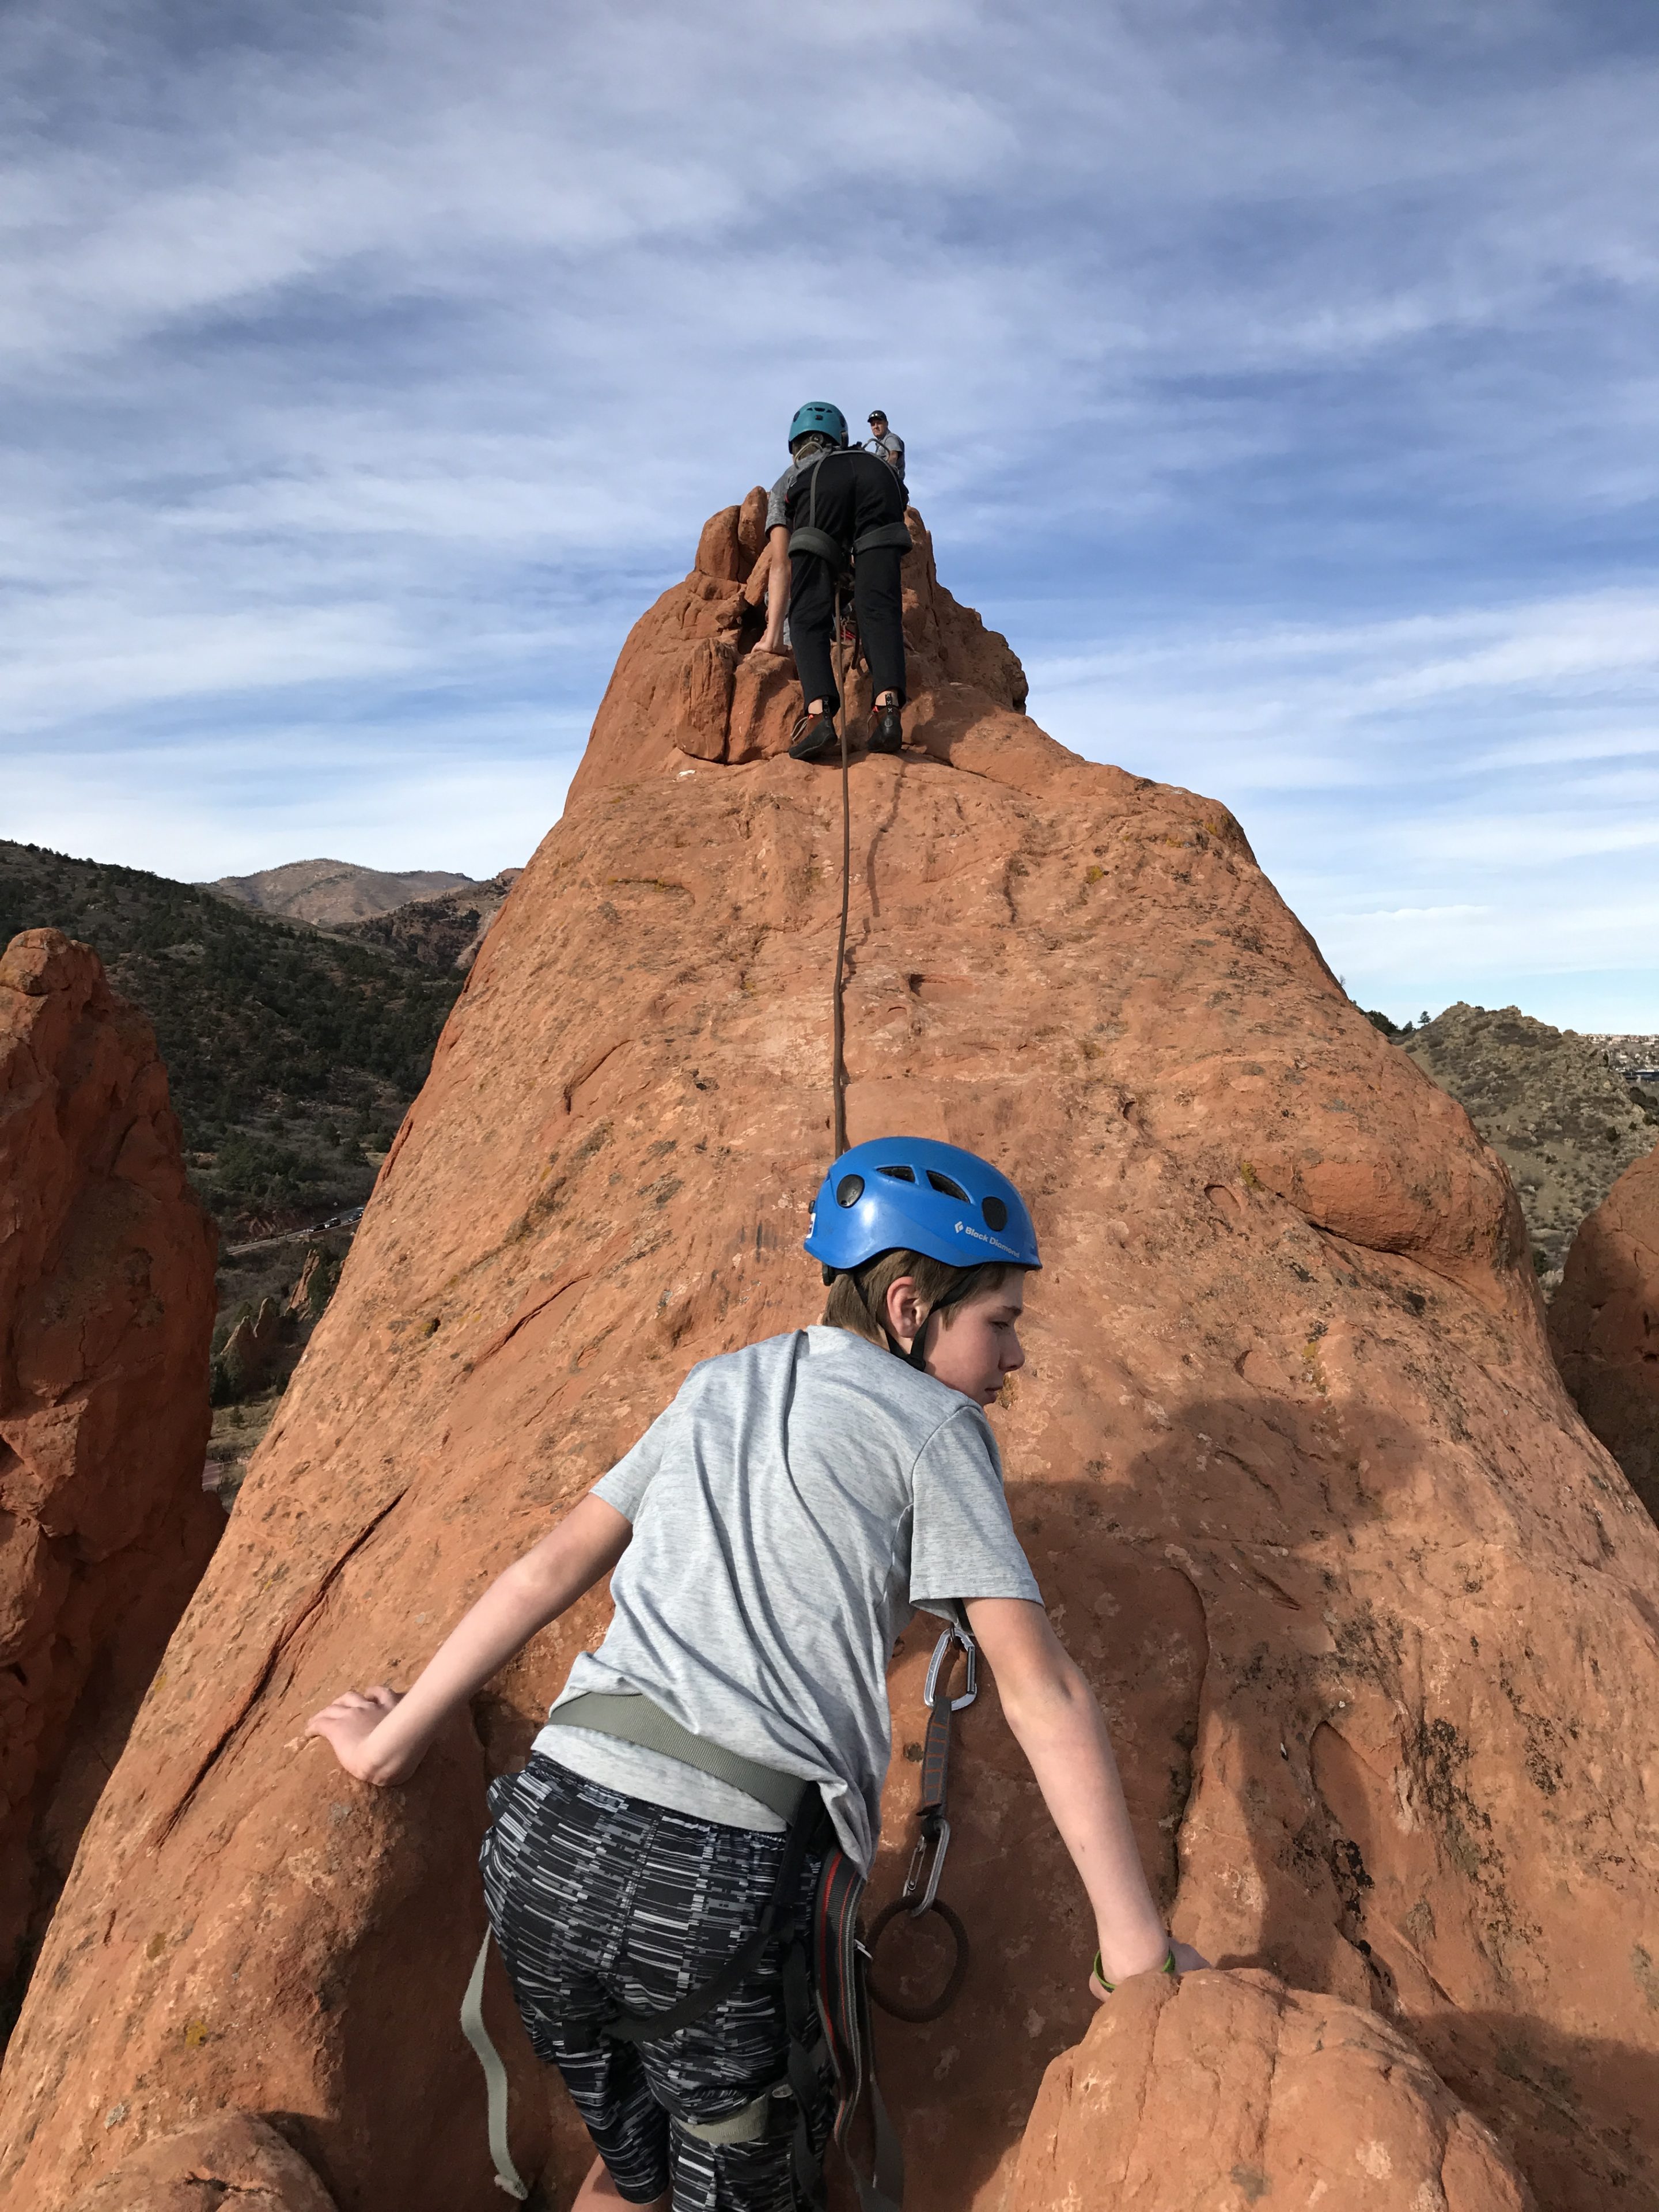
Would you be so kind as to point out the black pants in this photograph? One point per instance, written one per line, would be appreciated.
(878, 599)
(600, 1900)
(846, 493)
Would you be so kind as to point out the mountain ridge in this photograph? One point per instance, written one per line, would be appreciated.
(330, 892)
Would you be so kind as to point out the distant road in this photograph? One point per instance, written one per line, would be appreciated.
(293, 1236)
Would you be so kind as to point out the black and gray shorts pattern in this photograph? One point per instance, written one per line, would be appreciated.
(600, 1901)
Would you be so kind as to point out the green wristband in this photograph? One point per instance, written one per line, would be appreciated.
(1168, 1967)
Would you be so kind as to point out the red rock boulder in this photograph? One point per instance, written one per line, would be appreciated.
(690, 686)
(106, 1264)
(236, 2155)
(1230, 2090)
(1604, 1325)
(1304, 1493)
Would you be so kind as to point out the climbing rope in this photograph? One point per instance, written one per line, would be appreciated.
(837, 1013)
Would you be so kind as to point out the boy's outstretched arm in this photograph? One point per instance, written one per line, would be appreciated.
(381, 1737)
(1060, 1727)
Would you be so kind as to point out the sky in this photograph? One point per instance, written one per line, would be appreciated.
(1280, 380)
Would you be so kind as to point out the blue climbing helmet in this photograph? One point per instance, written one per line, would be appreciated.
(914, 1194)
(818, 415)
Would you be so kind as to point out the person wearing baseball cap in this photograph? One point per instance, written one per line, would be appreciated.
(886, 443)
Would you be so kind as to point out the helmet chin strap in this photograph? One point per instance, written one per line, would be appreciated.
(917, 1355)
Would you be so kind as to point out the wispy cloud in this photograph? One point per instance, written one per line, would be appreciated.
(1280, 379)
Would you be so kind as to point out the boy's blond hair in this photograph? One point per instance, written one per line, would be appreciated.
(857, 1301)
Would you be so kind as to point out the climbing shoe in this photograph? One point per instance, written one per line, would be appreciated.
(886, 730)
(813, 735)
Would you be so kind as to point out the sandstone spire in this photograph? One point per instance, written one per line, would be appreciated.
(106, 1309)
(1303, 1491)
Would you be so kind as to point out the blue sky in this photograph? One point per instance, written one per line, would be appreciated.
(1281, 379)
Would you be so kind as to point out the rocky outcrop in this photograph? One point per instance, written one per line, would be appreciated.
(251, 1346)
(1372, 1612)
(1564, 1122)
(106, 1309)
(441, 931)
(1604, 1328)
(1228, 2090)
(690, 686)
(235, 2155)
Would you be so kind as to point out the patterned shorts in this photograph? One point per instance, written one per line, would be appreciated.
(599, 1901)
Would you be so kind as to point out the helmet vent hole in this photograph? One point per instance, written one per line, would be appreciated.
(901, 1173)
(943, 1182)
(849, 1190)
(995, 1212)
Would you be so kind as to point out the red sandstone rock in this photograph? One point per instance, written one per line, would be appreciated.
(236, 2155)
(252, 1343)
(106, 1306)
(1604, 1325)
(689, 681)
(1230, 2090)
(1304, 1493)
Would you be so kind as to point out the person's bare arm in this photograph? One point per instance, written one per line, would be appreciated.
(777, 589)
(1061, 1728)
(381, 1737)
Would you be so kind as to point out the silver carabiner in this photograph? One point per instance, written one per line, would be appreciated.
(941, 1659)
(939, 1836)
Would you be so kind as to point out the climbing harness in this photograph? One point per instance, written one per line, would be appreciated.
(827, 1983)
(807, 538)
(920, 1893)
(826, 2011)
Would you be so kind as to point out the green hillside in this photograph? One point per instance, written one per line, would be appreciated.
(291, 1055)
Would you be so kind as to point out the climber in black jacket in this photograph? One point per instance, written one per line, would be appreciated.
(836, 505)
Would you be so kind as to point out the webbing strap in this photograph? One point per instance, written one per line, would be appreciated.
(750, 2123)
(885, 533)
(844, 2014)
(636, 1719)
(507, 2176)
(650, 2026)
(809, 540)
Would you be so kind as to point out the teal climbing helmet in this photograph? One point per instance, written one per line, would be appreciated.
(818, 415)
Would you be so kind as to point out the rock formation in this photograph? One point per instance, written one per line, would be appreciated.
(1564, 1122)
(1229, 2089)
(440, 931)
(1374, 1614)
(105, 1309)
(1604, 1327)
(198, 2168)
(251, 1346)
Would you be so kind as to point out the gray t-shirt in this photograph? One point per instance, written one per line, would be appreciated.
(776, 517)
(791, 1509)
(889, 446)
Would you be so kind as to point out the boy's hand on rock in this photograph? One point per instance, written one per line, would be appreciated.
(1187, 1960)
(347, 1725)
